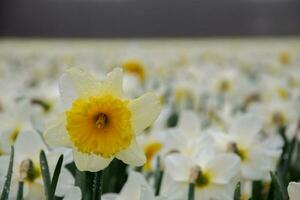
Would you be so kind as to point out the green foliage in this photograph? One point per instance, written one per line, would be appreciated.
(6, 187)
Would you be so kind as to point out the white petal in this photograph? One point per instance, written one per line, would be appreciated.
(56, 133)
(189, 123)
(250, 172)
(113, 83)
(145, 110)
(73, 194)
(109, 196)
(147, 193)
(76, 83)
(179, 166)
(36, 192)
(294, 191)
(223, 168)
(65, 183)
(132, 187)
(28, 146)
(245, 128)
(133, 155)
(92, 163)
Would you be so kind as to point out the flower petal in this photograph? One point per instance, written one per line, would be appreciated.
(294, 191)
(145, 110)
(76, 83)
(28, 146)
(179, 166)
(133, 155)
(245, 128)
(73, 194)
(132, 187)
(56, 133)
(114, 83)
(90, 162)
(110, 196)
(189, 123)
(223, 167)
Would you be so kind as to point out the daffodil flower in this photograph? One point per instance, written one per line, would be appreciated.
(213, 174)
(99, 123)
(258, 155)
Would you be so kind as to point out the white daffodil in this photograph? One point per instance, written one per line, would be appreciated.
(99, 124)
(187, 137)
(213, 174)
(27, 168)
(14, 119)
(294, 190)
(136, 188)
(258, 155)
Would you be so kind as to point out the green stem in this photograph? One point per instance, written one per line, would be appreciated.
(97, 186)
(158, 177)
(191, 194)
(20, 191)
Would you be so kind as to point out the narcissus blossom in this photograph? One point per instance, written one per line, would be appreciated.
(99, 123)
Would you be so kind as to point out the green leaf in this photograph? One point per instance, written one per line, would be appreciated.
(191, 193)
(55, 177)
(6, 187)
(289, 154)
(45, 173)
(277, 187)
(237, 192)
(20, 190)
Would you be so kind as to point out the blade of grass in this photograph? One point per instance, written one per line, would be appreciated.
(6, 187)
(55, 177)
(45, 173)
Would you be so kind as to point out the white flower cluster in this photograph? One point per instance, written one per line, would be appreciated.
(229, 111)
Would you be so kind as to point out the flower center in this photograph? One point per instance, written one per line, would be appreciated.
(14, 134)
(29, 171)
(242, 153)
(101, 120)
(100, 125)
(278, 118)
(224, 86)
(200, 178)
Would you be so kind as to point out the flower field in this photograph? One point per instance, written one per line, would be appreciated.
(150, 119)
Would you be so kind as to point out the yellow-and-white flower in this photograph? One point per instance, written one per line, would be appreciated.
(99, 124)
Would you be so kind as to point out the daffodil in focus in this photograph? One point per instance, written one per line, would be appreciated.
(99, 122)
